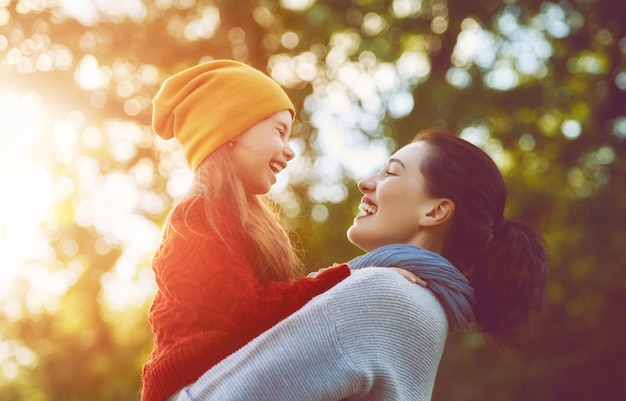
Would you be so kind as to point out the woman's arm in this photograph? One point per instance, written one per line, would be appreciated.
(374, 336)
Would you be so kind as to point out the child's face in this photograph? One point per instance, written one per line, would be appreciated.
(395, 202)
(263, 151)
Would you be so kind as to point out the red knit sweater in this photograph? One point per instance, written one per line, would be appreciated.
(209, 302)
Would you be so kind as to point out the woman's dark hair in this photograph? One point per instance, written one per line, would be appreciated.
(505, 260)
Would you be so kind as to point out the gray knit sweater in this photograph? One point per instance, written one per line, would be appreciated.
(374, 336)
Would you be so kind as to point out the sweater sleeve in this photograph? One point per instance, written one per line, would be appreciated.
(374, 336)
(278, 300)
(215, 289)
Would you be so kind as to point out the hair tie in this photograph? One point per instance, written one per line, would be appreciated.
(499, 225)
(496, 228)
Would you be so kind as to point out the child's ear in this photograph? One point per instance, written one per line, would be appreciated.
(442, 211)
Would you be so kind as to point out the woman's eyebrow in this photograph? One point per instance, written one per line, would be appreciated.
(396, 161)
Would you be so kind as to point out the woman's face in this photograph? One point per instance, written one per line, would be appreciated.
(395, 202)
(263, 151)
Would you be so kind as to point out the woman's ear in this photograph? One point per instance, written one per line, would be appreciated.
(442, 211)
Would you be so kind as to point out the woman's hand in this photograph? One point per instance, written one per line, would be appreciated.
(409, 276)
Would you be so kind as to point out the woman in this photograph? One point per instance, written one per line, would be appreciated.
(374, 335)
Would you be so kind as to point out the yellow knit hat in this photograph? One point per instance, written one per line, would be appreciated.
(208, 105)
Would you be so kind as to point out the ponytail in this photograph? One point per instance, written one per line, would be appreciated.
(505, 261)
(509, 281)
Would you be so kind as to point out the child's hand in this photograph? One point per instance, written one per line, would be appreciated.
(313, 274)
(409, 276)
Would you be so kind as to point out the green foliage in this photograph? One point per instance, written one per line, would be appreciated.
(540, 85)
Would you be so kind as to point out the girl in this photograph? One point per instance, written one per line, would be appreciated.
(225, 267)
(375, 336)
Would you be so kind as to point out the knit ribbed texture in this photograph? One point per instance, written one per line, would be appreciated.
(375, 336)
(446, 281)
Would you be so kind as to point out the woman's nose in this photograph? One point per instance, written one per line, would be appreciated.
(366, 185)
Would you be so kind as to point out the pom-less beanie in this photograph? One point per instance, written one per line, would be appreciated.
(205, 106)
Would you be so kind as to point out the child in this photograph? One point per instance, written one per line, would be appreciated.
(225, 268)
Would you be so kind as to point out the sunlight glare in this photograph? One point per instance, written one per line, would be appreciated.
(22, 175)
(349, 148)
(90, 12)
(474, 45)
(406, 8)
(297, 5)
(89, 75)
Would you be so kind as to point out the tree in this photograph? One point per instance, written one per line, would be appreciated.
(540, 85)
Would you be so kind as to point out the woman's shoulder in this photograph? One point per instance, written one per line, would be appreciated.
(379, 287)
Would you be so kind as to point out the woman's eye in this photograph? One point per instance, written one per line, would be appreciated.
(389, 173)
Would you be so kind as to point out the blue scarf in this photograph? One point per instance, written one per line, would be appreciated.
(444, 280)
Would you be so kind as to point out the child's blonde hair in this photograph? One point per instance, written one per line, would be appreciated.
(216, 182)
